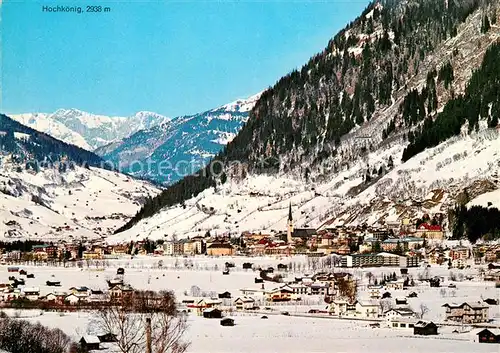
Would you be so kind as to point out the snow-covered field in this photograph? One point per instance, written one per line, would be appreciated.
(206, 273)
(251, 334)
(278, 333)
(143, 273)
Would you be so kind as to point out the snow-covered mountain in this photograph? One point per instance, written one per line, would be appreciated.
(52, 190)
(428, 183)
(366, 132)
(167, 152)
(87, 130)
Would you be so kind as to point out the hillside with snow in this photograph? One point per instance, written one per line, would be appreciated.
(488, 199)
(167, 152)
(337, 164)
(87, 130)
(428, 183)
(64, 205)
(52, 190)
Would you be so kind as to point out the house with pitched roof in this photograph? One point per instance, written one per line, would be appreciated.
(89, 342)
(280, 294)
(244, 303)
(404, 315)
(368, 308)
(489, 335)
(31, 293)
(430, 232)
(467, 312)
(424, 328)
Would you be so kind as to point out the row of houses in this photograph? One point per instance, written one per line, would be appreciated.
(75, 295)
(466, 313)
(201, 305)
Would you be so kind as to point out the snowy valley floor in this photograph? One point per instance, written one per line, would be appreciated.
(278, 333)
(292, 334)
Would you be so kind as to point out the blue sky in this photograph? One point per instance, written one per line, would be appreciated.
(171, 57)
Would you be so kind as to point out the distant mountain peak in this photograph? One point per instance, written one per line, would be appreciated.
(62, 111)
(242, 105)
(148, 114)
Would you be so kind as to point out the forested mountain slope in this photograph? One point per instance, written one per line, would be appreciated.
(349, 121)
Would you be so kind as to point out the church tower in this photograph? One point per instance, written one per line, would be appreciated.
(289, 225)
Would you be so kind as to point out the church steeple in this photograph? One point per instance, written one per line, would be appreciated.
(289, 225)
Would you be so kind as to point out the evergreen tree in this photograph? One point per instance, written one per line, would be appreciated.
(81, 249)
(476, 222)
(446, 74)
(223, 178)
(485, 25)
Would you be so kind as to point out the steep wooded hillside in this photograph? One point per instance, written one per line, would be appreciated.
(377, 88)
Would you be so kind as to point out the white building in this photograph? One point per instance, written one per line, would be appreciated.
(72, 299)
(299, 289)
(368, 308)
(31, 293)
(341, 307)
(244, 303)
(398, 314)
(374, 291)
(405, 324)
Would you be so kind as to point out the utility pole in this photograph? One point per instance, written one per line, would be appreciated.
(148, 335)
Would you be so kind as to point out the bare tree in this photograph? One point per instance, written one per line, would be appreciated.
(347, 288)
(195, 291)
(18, 336)
(481, 271)
(385, 305)
(128, 322)
(369, 275)
(423, 310)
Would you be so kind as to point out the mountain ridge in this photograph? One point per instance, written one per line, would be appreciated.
(181, 146)
(88, 130)
(30, 145)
